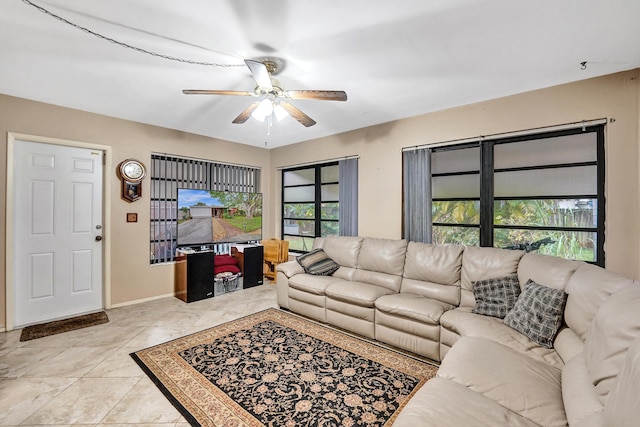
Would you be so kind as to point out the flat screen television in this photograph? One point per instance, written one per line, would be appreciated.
(209, 217)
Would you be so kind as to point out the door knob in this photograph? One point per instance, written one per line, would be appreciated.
(98, 238)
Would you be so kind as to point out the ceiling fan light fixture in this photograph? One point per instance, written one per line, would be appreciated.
(264, 110)
(280, 112)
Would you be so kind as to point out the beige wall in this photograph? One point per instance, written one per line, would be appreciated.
(380, 150)
(132, 277)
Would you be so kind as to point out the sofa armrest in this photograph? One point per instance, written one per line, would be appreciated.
(290, 268)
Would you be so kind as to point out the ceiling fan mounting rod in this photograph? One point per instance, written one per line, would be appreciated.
(274, 91)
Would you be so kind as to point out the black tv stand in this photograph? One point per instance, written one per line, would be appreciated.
(194, 270)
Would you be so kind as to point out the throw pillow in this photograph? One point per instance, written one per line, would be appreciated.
(538, 313)
(224, 260)
(318, 263)
(496, 297)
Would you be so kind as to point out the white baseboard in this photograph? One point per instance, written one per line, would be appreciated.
(140, 301)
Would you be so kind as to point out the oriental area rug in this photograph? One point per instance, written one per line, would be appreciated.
(277, 369)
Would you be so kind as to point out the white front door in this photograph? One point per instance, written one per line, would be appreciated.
(57, 231)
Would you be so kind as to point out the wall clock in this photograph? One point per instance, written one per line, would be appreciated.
(131, 172)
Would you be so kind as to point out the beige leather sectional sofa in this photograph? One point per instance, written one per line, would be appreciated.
(420, 298)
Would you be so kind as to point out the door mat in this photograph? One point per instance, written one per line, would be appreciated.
(65, 325)
(273, 368)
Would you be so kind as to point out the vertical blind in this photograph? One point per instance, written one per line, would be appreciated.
(168, 173)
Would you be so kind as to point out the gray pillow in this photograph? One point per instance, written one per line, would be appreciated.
(538, 313)
(318, 263)
(496, 297)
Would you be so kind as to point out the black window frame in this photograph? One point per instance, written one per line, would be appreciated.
(318, 220)
(487, 199)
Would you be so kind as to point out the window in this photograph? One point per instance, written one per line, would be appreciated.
(542, 192)
(170, 173)
(318, 201)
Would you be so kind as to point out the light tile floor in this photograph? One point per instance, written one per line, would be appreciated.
(87, 377)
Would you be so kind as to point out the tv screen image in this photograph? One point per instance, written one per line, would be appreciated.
(207, 216)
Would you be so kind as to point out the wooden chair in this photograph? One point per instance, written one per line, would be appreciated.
(275, 252)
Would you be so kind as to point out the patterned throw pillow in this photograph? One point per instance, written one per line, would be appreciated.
(318, 263)
(538, 313)
(496, 297)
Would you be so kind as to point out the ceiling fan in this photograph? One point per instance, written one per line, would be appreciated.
(274, 99)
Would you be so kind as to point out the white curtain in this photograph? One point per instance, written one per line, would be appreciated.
(348, 187)
(416, 183)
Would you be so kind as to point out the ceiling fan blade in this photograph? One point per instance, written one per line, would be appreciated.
(217, 92)
(322, 95)
(260, 73)
(244, 116)
(297, 114)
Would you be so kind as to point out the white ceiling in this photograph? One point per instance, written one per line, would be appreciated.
(395, 59)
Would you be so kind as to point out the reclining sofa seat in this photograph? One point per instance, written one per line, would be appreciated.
(305, 293)
(430, 286)
(351, 305)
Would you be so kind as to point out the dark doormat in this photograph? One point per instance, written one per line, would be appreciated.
(65, 325)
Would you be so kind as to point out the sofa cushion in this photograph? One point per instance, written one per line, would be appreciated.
(615, 326)
(484, 263)
(538, 313)
(357, 293)
(623, 405)
(382, 255)
(342, 249)
(552, 271)
(312, 284)
(425, 310)
(433, 271)
(527, 387)
(588, 287)
(433, 263)
(318, 263)
(452, 404)
(389, 281)
(464, 322)
(496, 297)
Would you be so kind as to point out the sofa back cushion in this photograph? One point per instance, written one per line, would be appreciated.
(623, 405)
(588, 287)
(484, 263)
(433, 271)
(318, 242)
(342, 249)
(550, 271)
(381, 262)
(615, 326)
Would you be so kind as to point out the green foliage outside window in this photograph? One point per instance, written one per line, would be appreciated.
(579, 245)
